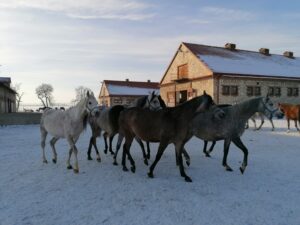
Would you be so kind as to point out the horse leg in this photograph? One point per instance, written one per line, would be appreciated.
(204, 149)
(296, 125)
(226, 149)
(75, 151)
(187, 157)
(52, 143)
(261, 123)
(43, 143)
(120, 139)
(247, 125)
(90, 149)
(139, 141)
(148, 149)
(254, 122)
(179, 151)
(94, 142)
(105, 142)
(271, 121)
(211, 147)
(162, 146)
(288, 123)
(69, 166)
(238, 142)
(126, 151)
(110, 144)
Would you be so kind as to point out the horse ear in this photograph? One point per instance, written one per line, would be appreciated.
(204, 92)
(88, 94)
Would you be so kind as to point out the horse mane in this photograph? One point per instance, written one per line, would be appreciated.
(192, 104)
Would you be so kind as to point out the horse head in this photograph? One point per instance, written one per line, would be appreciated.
(206, 103)
(267, 106)
(91, 104)
(153, 102)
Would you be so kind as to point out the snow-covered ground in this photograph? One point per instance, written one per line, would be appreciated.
(35, 193)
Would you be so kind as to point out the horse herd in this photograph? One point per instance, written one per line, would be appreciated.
(148, 119)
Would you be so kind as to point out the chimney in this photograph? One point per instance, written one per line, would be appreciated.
(127, 80)
(288, 54)
(264, 51)
(230, 46)
(148, 81)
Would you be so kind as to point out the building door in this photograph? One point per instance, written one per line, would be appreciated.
(181, 96)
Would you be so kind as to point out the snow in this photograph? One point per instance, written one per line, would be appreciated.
(250, 63)
(124, 90)
(35, 193)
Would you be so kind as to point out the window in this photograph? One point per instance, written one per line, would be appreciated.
(182, 71)
(225, 90)
(117, 100)
(292, 91)
(257, 91)
(271, 91)
(230, 90)
(277, 91)
(250, 91)
(233, 90)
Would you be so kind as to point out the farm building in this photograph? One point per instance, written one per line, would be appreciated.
(7, 96)
(230, 75)
(115, 92)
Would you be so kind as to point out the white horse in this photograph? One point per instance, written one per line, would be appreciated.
(67, 124)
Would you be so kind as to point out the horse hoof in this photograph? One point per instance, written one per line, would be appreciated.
(54, 161)
(90, 158)
(115, 163)
(207, 155)
(242, 170)
(45, 161)
(150, 175)
(229, 169)
(133, 169)
(125, 169)
(69, 167)
(105, 151)
(188, 179)
(99, 159)
(148, 156)
(188, 163)
(146, 162)
(112, 153)
(76, 171)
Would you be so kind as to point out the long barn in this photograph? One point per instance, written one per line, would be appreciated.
(230, 75)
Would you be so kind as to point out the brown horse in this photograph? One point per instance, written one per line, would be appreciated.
(168, 125)
(291, 112)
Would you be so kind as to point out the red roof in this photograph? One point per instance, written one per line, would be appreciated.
(137, 84)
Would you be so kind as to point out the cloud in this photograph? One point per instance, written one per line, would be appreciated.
(86, 9)
(227, 14)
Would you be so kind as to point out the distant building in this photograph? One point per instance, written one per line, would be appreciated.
(230, 75)
(7, 96)
(115, 92)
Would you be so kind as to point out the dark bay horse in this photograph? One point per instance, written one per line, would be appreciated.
(231, 127)
(291, 112)
(108, 121)
(168, 125)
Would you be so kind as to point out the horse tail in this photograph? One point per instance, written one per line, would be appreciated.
(113, 116)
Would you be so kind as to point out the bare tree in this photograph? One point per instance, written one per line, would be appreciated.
(19, 95)
(81, 92)
(44, 93)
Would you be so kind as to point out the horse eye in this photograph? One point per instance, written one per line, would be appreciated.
(90, 103)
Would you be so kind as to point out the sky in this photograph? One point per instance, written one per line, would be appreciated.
(69, 43)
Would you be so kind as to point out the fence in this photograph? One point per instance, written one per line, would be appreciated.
(21, 118)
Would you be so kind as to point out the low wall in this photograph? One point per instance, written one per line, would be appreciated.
(21, 118)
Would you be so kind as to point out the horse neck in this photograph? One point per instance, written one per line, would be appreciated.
(188, 107)
(79, 110)
(246, 109)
